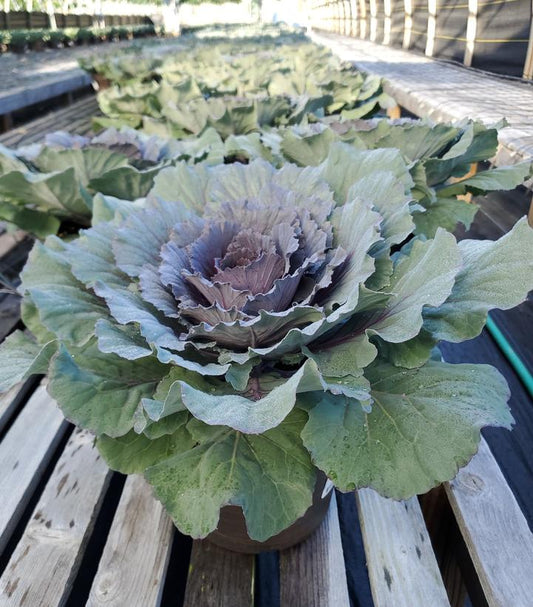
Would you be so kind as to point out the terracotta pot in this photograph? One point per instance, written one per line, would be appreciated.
(101, 81)
(231, 532)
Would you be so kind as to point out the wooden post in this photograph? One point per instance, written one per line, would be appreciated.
(373, 20)
(171, 20)
(528, 66)
(342, 28)
(354, 11)
(432, 27)
(362, 19)
(349, 23)
(394, 112)
(51, 16)
(387, 23)
(408, 27)
(471, 31)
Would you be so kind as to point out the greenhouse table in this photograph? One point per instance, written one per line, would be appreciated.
(74, 533)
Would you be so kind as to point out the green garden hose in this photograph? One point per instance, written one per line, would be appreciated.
(513, 358)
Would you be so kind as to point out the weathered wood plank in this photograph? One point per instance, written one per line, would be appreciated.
(24, 454)
(20, 97)
(134, 563)
(74, 118)
(219, 578)
(42, 568)
(8, 403)
(495, 531)
(313, 574)
(401, 563)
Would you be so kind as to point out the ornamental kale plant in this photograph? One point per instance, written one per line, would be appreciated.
(49, 188)
(249, 326)
(237, 91)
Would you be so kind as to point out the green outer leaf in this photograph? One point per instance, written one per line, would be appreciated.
(501, 178)
(109, 208)
(475, 143)
(346, 165)
(309, 150)
(444, 213)
(348, 357)
(101, 392)
(65, 307)
(58, 193)
(244, 414)
(126, 183)
(88, 163)
(167, 399)
(270, 475)
(35, 222)
(184, 184)
(423, 277)
(409, 354)
(424, 425)
(133, 453)
(397, 222)
(124, 341)
(355, 227)
(21, 357)
(495, 274)
(30, 317)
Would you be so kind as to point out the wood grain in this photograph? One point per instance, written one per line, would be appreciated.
(8, 403)
(401, 564)
(24, 454)
(313, 574)
(512, 450)
(134, 563)
(495, 531)
(219, 578)
(43, 566)
(75, 118)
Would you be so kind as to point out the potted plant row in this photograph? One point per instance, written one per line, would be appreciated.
(19, 41)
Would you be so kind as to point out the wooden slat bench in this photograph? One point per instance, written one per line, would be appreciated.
(58, 550)
(444, 91)
(75, 118)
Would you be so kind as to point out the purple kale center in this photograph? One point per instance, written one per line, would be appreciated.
(245, 257)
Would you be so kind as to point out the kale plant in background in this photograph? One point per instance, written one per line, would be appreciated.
(48, 188)
(249, 325)
(440, 158)
(239, 91)
(43, 188)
